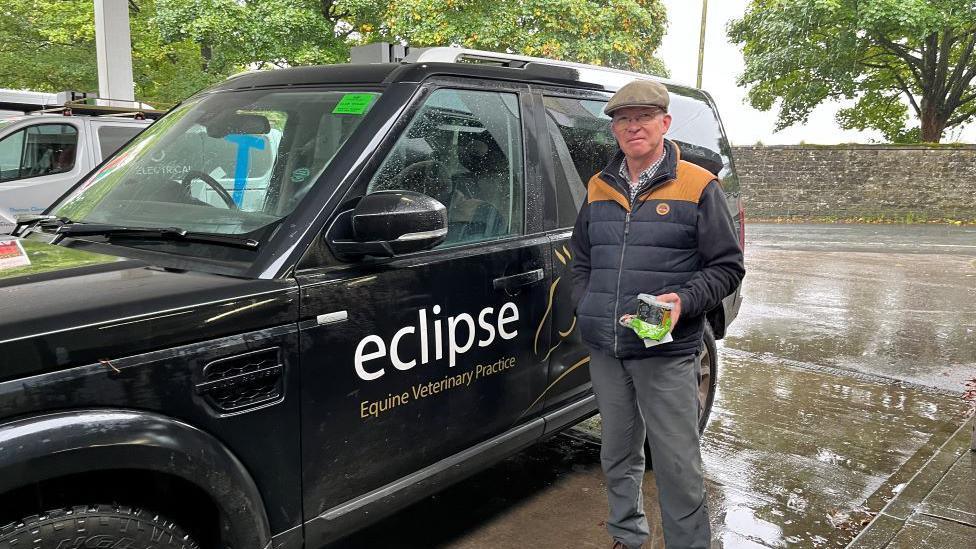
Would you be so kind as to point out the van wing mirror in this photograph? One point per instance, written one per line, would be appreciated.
(388, 223)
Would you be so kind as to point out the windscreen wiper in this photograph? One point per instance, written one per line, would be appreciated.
(44, 220)
(154, 233)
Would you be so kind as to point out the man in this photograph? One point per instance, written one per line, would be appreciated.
(652, 223)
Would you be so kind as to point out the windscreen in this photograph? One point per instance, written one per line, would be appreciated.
(226, 163)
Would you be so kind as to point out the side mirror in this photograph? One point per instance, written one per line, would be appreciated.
(388, 223)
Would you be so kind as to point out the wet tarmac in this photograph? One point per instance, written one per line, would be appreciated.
(890, 300)
(840, 379)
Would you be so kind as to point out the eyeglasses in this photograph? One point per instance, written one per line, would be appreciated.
(641, 119)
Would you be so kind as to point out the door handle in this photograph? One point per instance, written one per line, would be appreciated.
(518, 280)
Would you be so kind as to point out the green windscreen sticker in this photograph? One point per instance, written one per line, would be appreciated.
(354, 103)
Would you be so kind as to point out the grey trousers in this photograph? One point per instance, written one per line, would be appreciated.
(657, 396)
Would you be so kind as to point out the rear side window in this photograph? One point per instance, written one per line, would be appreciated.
(463, 148)
(581, 144)
(696, 129)
(44, 149)
(111, 138)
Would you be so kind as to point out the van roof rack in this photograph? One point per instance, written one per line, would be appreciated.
(104, 107)
(584, 72)
(71, 102)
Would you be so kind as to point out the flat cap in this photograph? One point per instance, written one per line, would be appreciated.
(639, 93)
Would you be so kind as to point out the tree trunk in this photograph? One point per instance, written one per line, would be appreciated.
(206, 52)
(933, 123)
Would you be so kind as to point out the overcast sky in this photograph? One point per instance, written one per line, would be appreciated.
(723, 63)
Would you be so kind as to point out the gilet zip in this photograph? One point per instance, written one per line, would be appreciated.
(658, 181)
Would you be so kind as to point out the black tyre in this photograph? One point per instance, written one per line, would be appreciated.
(707, 377)
(112, 526)
(706, 386)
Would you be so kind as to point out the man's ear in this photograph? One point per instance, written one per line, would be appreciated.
(666, 121)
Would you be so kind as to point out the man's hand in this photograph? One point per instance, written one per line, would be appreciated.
(676, 311)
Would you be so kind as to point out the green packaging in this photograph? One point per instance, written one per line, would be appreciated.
(653, 318)
(646, 330)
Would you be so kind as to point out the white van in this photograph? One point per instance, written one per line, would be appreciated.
(42, 155)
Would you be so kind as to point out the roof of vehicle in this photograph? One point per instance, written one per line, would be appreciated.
(447, 62)
(71, 103)
(52, 117)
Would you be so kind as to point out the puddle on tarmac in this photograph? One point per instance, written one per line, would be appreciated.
(799, 457)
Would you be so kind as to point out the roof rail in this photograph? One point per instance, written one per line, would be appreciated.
(104, 107)
(597, 73)
(71, 102)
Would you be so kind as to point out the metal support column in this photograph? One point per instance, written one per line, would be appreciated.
(114, 48)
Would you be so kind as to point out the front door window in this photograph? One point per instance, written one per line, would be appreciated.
(44, 149)
(463, 148)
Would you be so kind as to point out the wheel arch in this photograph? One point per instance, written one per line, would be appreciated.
(47, 447)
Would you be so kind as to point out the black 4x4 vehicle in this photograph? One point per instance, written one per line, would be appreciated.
(305, 298)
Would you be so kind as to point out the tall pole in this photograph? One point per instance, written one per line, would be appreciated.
(701, 43)
(114, 49)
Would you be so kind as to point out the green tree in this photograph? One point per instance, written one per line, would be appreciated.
(619, 33)
(49, 45)
(616, 33)
(234, 34)
(883, 53)
(180, 46)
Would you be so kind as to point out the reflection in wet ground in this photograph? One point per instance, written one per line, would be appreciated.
(803, 456)
(809, 434)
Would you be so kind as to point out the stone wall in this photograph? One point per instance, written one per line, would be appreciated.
(859, 181)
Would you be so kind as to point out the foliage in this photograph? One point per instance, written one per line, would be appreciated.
(49, 45)
(895, 57)
(617, 33)
(180, 46)
(259, 33)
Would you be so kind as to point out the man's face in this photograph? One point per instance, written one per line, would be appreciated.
(640, 130)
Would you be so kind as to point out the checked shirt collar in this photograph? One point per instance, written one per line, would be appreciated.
(645, 176)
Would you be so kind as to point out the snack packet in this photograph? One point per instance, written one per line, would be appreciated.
(652, 321)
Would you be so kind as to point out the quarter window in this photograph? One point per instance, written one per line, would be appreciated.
(463, 148)
(44, 149)
(696, 129)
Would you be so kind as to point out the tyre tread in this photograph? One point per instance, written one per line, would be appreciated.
(154, 530)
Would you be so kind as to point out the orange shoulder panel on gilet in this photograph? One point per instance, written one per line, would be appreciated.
(689, 184)
(597, 189)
